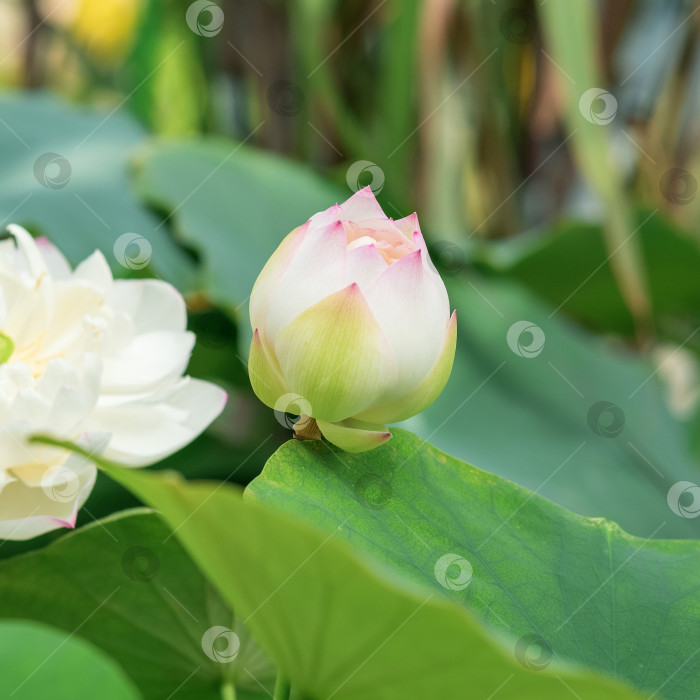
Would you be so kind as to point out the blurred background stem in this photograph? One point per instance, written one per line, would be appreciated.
(576, 55)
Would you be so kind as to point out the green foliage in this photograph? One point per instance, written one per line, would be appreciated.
(125, 585)
(231, 204)
(41, 662)
(467, 112)
(574, 54)
(625, 606)
(566, 266)
(315, 605)
(539, 421)
(65, 175)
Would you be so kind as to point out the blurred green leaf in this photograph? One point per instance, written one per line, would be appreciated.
(65, 176)
(207, 457)
(41, 662)
(540, 420)
(128, 587)
(164, 71)
(336, 625)
(536, 569)
(567, 267)
(589, 109)
(231, 204)
(397, 85)
(312, 24)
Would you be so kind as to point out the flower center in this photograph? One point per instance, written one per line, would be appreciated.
(7, 347)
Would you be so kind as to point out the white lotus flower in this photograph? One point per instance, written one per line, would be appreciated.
(92, 360)
(351, 324)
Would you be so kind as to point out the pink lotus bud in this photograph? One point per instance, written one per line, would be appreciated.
(351, 324)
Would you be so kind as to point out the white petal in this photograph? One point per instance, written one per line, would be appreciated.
(66, 333)
(316, 270)
(362, 205)
(152, 304)
(27, 247)
(29, 407)
(55, 261)
(413, 310)
(95, 270)
(13, 377)
(271, 274)
(28, 511)
(29, 309)
(83, 377)
(326, 217)
(3, 308)
(408, 225)
(403, 407)
(148, 361)
(14, 449)
(73, 394)
(146, 431)
(364, 265)
(419, 244)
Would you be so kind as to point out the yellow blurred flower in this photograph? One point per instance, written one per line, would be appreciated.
(106, 27)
